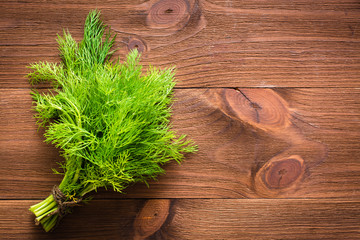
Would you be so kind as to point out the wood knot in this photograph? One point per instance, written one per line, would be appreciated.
(151, 217)
(262, 108)
(168, 13)
(279, 174)
(136, 43)
(282, 173)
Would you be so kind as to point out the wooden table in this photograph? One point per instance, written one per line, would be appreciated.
(268, 89)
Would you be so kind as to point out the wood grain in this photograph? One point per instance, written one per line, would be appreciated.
(269, 90)
(252, 143)
(213, 43)
(193, 218)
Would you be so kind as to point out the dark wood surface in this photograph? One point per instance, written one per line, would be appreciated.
(269, 90)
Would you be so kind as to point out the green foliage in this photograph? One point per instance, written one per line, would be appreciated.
(110, 121)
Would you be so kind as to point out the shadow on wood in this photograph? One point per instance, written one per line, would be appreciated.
(151, 218)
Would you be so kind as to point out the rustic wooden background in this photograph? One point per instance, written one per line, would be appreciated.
(269, 90)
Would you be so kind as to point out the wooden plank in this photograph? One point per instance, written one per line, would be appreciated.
(192, 219)
(213, 44)
(97, 220)
(280, 123)
(253, 143)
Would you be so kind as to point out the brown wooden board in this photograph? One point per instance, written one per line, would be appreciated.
(253, 143)
(268, 89)
(192, 219)
(213, 43)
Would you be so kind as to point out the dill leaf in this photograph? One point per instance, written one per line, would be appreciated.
(110, 121)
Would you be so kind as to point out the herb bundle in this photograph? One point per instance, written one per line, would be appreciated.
(110, 121)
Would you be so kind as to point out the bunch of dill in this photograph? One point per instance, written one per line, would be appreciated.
(110, 121)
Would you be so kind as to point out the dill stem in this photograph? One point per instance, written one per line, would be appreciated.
(49, 223)
(40, 205)
(39, 208)
(46, 210)
(42, 210)
(87, 189)
(77, 173)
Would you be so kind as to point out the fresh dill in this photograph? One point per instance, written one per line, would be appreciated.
(110, 120)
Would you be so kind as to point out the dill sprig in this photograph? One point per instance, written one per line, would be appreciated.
(110, 121)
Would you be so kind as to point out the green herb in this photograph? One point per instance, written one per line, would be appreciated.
(110, 120)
